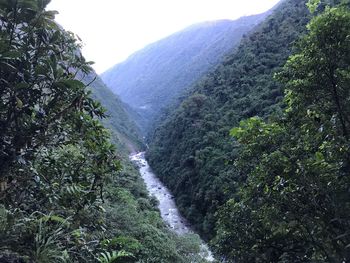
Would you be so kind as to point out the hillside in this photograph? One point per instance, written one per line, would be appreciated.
(293, 203)
(124, 131)
(191, 150)
(150, 78)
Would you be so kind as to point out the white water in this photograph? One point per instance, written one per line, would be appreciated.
(167, 207)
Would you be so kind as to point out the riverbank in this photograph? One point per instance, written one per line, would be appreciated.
(167, 207)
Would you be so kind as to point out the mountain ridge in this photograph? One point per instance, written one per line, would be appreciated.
(151, 77)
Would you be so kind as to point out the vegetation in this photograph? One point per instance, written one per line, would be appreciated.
(277, 190)
(134, 224)
(149, 79)
(64, 196)
(125, 133)
(191, 150)
(294, 204)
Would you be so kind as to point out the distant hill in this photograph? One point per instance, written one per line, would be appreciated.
(125, 133)
(149, 79)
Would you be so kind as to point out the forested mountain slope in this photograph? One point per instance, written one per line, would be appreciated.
(294, 205)
(124, 131)
(191, 150)
(150, 78)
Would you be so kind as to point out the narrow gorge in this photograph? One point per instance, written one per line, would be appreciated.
(167, 206)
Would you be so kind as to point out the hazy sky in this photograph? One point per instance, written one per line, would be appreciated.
(112, 30)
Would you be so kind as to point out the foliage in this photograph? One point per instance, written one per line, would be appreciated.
(294, 206)
(64, 196)
(191, 150)
(135, 226)
(107, 257)
(312, 5)
(55, 155)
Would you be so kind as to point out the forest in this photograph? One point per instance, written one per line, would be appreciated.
(293, 205)
(255, 150)
(191, 150)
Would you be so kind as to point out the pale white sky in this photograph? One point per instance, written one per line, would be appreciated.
(112, 30)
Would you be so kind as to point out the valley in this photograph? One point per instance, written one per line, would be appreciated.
(167, 206)
(227, 141)
(173, 64)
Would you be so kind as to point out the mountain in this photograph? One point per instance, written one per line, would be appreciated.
(149, 79)
(125, 133)
(191, 150)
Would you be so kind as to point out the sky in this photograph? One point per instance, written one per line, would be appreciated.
(111, 30)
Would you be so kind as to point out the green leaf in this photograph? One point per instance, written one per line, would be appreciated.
(54, 218)
(319, 157)
(19, 103)
(312, 5)
(71, 83)
(236, 132)
(13, 54)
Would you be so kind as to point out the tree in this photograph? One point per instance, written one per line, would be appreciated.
(54, 153)
(294, 205)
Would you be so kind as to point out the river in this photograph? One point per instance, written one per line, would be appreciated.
(167, 206)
